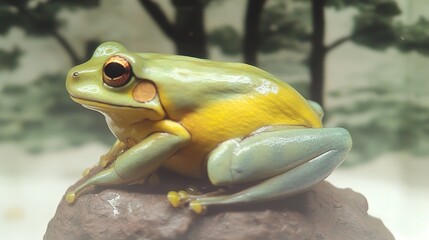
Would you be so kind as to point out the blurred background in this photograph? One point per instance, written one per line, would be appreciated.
(366, 62)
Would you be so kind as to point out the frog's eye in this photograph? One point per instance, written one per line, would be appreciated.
(116, 71)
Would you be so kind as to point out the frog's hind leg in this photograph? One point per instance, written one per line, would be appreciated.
(291, 161)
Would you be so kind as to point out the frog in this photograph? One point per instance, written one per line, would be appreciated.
(230, 124)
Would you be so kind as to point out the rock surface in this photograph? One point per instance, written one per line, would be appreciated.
(142, 212)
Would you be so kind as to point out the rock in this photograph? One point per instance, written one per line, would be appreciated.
(142, 212)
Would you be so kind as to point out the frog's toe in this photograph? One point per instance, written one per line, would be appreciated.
(174, 199)
(197, 207)
(177, 199)
(184, 197)
(71, 197)
(104, 162)
(86, 172)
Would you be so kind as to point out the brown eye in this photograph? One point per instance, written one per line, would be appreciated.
(116, 71)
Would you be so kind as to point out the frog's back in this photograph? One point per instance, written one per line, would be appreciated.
(189, 84)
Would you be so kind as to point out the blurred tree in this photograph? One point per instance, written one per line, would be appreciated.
(394, 124)
(41, 112)
(187, 32)
(9, 59)
(300, 26)
(231, 43)
(40, 19)
(414, 37)
(251, 39)
(269, 26)
(41, 109)
(395, 118)
(388, 121)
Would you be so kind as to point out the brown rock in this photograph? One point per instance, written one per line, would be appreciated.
(141, 212)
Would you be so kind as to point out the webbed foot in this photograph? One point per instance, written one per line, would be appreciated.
(191, 199)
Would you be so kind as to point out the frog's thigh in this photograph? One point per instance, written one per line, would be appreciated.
(291, 160)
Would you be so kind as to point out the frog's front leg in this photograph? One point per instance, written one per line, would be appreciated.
(140, 160)
(290, 161)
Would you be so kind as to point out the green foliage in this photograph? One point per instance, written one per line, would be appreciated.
(39, 18)
(379, 7)
(9, 59)
(37, 21)
(282, 27)
(227, 38)
(374, 26)
(383, 122)
(285, 26)
(373, 31)
(387, 9)
(40, 111)
(414, 37)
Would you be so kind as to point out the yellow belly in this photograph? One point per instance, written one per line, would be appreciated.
(216, 123)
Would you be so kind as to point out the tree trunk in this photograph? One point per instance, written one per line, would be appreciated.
(187, 32)
(159, 17)
(190, 38)
(67, 47)
(318, 52)
(251, 39)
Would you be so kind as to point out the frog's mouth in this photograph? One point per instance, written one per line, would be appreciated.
(96, 105)
(138, 113)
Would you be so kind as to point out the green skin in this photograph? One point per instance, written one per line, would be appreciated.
(298, 157)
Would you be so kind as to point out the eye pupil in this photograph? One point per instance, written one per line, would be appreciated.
(114, 70)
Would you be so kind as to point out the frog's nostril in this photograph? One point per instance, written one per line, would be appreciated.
(75, 74)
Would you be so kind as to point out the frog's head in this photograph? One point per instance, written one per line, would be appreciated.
(106, 83)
